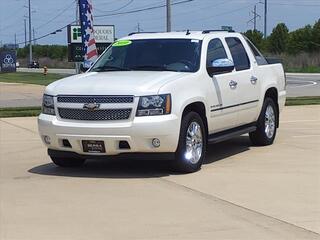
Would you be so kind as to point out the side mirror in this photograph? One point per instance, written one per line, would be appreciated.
(222, 65)
(83, 68)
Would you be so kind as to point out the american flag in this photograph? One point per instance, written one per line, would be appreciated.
(88, 41)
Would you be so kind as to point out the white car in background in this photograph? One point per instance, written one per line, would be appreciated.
(167, 94)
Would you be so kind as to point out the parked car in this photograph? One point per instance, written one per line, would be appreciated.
(34, 64)
(168, 94)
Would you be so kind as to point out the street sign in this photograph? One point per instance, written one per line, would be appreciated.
(102, 33)
(8, 61)
(104, 36)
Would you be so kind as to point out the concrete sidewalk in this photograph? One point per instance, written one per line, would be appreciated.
(242, 192)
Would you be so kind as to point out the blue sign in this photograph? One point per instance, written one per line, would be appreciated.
(8, 61)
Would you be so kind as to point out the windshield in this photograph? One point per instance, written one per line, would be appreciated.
(179, 55)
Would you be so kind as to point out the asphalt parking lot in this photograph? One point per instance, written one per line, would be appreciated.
(242, 192)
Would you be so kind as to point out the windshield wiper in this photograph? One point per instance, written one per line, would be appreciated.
(151, 68)
(110, 68)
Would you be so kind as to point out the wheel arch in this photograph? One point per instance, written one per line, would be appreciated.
(272, 92)
(200, 108)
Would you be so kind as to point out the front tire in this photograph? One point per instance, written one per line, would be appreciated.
(192, 144)
(67, 162)
(266, 124)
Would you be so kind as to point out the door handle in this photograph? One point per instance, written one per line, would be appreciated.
(233, 84)
(253, 80)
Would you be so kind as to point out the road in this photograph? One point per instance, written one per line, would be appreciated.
(300, 85)
(242, 192)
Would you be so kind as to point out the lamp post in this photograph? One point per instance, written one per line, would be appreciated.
(30, 40)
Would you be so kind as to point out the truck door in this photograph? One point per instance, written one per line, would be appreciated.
(222, 94)
(248, 84)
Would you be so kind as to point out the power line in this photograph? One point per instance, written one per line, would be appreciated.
(121, 13)
(142, 9)
(58, 15)
(223, 13)
(115, 10)
(107, 3)
(51, 33)
(193, 10)
(296, 4)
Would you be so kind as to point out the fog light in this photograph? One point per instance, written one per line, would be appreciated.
(156, 142)
(47, 139)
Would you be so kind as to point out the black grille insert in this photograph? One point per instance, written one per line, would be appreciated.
(97, 115)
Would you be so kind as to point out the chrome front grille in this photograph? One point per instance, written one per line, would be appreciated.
(95, 99)
(107, 108)
(97, 115)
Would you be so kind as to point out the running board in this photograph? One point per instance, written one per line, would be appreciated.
(231, 133)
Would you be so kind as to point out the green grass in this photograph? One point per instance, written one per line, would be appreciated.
(310, 69)
(19, 112)
(30, 78)
(294, 101)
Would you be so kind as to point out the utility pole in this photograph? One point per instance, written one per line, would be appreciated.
(25, 32)
(168, 15)
(15, 41)
(265, 18)
(30, 40)
(34, 36)
(254, 19)
(139, 30)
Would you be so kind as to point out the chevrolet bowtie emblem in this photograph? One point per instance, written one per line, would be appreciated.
(91, 106)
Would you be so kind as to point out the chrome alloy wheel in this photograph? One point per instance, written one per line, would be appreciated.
(194, 143)
(269, 122)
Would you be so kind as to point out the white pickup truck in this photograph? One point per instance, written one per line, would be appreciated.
(168, 94)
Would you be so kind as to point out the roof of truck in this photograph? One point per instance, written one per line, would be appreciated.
(200, 35)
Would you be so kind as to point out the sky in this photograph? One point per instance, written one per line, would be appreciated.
(50, 15)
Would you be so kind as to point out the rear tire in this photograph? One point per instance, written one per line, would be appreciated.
(68, 162)
(266, 124)
(192, 144)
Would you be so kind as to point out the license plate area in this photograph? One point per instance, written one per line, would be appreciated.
(92, 146)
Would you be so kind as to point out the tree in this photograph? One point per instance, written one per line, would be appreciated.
(256, 37)
(301, 40)
(277, 41)
(316, 35)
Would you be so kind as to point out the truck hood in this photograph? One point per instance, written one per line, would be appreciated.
(114, 83)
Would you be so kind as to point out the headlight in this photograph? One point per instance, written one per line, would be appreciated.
(154, 105)
(48, 105)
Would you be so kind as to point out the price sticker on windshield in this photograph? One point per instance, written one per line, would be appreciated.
(122, 43)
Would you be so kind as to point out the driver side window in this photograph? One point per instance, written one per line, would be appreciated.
(215, 51)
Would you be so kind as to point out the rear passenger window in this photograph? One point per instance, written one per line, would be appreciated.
(215, 51)
(258, 56)
(239, 54)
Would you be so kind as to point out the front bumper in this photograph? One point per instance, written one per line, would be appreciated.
(138, 132)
